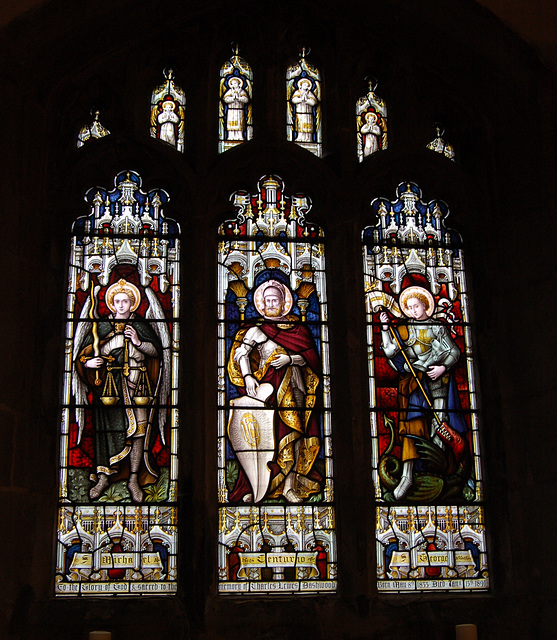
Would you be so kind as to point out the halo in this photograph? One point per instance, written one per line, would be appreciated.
(260, 293)
(304, 81)
(237, 79)
(168, 101)
(122, 286)
(420, 293)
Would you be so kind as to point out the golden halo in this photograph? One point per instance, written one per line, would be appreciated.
(258, 296)
(123, 286)
(421, 294)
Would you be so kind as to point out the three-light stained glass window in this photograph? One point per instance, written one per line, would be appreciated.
(303, 109)
(235, 103)
(118, 485)
(430, 531)
(275, 469)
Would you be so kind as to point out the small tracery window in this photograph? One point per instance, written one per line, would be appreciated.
(424, 416)
(439, 145)
(371, 123)
(235, 103)
(168, 112)
(303, 95)
(117, 520)
(92, 131)
(275, 476)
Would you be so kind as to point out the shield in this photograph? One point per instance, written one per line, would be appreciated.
(252, 436)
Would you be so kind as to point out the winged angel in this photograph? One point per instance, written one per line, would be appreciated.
(122, 369)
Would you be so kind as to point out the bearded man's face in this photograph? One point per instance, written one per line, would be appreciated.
(273, 305)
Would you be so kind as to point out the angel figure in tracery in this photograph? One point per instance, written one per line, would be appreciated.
(168, 112)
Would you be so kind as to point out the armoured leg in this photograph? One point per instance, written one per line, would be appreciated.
(406, 480)
(102, 484)
(289, 491)
(136, 455)
(439, 406)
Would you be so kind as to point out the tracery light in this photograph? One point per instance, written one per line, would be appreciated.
(235, 102)
(168, 112)
(118, 483)
(303, 110)
(371, 123)
(430, 530)
(439, 145)
(275, 466)
(92, 131)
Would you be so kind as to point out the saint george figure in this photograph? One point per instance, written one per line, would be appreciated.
(304, 101)
(371, 134)
(429, 349)
(236, 99)
(280, 351)
(120, 362)
(168, 120)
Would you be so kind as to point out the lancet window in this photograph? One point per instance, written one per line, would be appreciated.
(168, 112)
(371, 123)
(118, 484)
(275, 471)
(303, 113)
(235, 103)
(430, 531)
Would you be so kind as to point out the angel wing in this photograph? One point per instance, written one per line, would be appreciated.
(155, 312)
(154, 122)
(79, 388)
(383, 126)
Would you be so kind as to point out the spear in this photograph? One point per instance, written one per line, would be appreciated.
(413, 372)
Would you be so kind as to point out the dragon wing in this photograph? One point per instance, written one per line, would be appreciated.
(431, 455)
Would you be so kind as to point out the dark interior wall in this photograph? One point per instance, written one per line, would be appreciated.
(458, 66)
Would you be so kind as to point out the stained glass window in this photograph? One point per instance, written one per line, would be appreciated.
(371, 123)
(92, 131)
(303, 114)
(275, 471)
(168, 112)
(235, 104)
(439, 145)
(117, 518)
(430, 531)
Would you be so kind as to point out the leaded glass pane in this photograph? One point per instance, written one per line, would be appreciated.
(371, 124)
(117, 520)
(439, 145)
(235, 104)
(168, 112)
(92, 131)
(275, 468)
(430, 528)
(303, 113)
